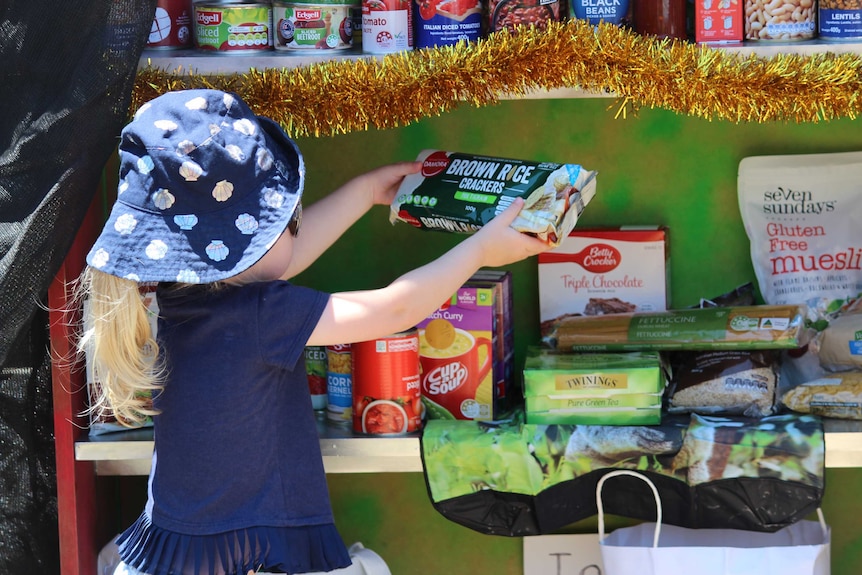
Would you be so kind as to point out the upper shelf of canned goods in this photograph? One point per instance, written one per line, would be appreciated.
(209, 63)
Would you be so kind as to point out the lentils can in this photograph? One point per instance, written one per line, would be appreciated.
(233, 27)
(172, 25)
(387, 26)
(339, 383)
(386, 392)
(446, 22)
(312, 26)
(840, 20)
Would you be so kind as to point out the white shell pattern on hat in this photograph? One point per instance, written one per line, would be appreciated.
(189, 170)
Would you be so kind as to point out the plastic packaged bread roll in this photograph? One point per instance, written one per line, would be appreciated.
(839, 346)
(717, 328)
(457, 192)
(837, 395)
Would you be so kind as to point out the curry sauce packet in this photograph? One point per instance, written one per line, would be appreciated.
(458, 192)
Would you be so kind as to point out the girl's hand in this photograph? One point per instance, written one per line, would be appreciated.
(502, 245)
(384, 181)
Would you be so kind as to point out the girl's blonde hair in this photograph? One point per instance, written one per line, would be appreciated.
(120, 347)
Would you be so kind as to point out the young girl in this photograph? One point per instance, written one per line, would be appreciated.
(209, 207)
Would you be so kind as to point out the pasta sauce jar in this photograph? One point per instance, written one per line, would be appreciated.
(386, 394)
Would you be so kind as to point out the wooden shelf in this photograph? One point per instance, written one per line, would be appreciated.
(129, 452)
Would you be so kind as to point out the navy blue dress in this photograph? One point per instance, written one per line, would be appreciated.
(237, 481)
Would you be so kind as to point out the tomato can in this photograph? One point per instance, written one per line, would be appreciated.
(322, 25)
(339, 383)
(446, 22)
(387, 26)
(233, 27)
(172, 25)
(386, 394)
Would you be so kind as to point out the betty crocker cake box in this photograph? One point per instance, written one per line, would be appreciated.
(597, 271)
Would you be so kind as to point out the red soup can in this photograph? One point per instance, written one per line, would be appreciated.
(386, 396)
(172, 25)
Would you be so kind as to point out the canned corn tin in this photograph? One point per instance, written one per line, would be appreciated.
(339, 383)
(233, 27)
(312, 26)
(386, 395)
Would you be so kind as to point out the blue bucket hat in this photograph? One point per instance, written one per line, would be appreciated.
(205, 189)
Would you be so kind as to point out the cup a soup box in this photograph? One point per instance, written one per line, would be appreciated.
(593, 388)
(605, 270)
(457, 355)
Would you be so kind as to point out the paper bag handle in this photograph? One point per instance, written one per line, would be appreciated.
(657, 498)
(601, 508)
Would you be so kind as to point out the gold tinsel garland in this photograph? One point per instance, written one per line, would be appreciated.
(341, 96)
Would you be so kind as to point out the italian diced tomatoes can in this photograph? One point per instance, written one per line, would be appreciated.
(386, 392)
(446, 22)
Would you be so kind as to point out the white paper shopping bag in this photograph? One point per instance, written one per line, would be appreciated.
(655, 549)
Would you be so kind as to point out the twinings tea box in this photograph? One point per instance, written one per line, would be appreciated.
(593, 388)
(457, 357)
(605, 271)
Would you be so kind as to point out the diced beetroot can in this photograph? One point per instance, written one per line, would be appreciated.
(386, 395)
(446, 22)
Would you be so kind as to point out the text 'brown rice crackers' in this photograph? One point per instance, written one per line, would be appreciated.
(457, 192)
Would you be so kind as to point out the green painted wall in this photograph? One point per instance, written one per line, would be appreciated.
(654, 168)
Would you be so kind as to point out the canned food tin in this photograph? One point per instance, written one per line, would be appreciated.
(339, 383)
(172, 25)
(840, 20)
(507, 14)
(387, 26)
(386, 396)
(446, 22)
(315, 369)
(233, 27)
(310, 26)
(783, 20)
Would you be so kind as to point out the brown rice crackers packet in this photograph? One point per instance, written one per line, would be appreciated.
(458, 192)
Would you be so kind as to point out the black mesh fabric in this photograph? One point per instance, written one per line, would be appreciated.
(66, 74)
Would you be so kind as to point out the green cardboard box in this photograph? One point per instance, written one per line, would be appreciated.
(593, 388)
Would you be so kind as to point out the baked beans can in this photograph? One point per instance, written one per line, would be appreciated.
(172, 25)
(339, 383)
(315, 369)
(233, 27)
(507, 14)
(322, 25)
(840, 20)
(386, 392)
(446, 22)
(780, 20)
(387, 26)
